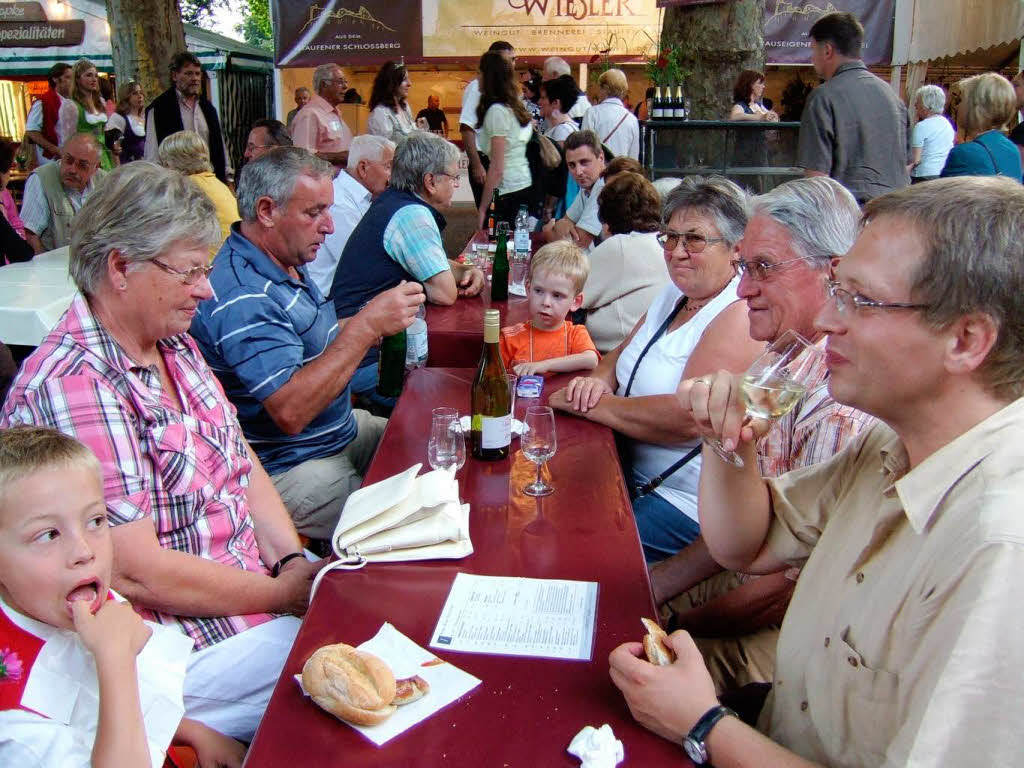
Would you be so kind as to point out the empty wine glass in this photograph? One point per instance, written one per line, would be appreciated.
(775, 382)
(538, 443)
(446, 448)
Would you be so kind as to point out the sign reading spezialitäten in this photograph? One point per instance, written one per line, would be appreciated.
(40, 34)
(353, 32)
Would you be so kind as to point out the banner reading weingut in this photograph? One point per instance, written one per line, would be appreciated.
(346, 31)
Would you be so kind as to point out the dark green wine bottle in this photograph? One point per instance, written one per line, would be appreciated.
(499, 272)
(491, 424)
(391, 365)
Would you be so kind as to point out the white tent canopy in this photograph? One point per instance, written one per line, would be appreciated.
(926, 30)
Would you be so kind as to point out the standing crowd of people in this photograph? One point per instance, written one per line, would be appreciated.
(177, 451)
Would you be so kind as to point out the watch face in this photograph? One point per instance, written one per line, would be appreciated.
(695, 751)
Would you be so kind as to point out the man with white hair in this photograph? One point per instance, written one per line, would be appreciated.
(901, 645)
(556, 66)
(367, 175)
(793, 234)
(55, 191)
(318, 127)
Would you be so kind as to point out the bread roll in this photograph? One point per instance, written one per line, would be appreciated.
(352, 685)
(656, 645)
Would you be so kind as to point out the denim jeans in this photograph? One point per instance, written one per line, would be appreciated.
(664, 529)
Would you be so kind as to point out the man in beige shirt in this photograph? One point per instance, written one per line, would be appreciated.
(902, 644)
(317, 126)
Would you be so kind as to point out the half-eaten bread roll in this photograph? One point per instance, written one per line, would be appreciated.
(656, 646)
(352, 685)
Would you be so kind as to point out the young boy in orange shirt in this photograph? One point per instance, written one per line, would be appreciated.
(84, 681)
(549, 343)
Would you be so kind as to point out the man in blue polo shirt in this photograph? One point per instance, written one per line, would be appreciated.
(273, 340)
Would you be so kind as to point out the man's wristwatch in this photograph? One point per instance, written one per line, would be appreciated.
(694, 742)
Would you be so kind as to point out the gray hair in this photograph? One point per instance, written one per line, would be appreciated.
(932, 98)
(713, 196)
(322, 73)
(820, 214)
(140, 210)
(185, 152)
(418, 154)
(972, 230)
(88, 138)
(368, 147)
(274, 175)
(557, 65)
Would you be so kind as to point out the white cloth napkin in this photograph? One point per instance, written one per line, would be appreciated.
(597, 747)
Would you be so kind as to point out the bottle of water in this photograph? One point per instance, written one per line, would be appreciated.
(416, 341)
(522, 233)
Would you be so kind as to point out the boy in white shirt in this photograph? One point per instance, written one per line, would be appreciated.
(78, 668)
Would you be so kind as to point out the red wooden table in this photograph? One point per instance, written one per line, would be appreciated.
(455, 334)
(526, 710)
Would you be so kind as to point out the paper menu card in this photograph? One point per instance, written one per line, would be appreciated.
(516, 616)
(447, 682)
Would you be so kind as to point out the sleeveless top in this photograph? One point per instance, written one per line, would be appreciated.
(659, 374)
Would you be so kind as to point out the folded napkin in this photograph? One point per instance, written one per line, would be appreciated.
(597, 747)
(517, 426)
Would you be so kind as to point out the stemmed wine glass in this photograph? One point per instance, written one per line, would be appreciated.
(775, 382)
(538, 443)
(446, 448)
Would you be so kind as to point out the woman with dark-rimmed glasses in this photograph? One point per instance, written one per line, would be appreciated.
(695, 326)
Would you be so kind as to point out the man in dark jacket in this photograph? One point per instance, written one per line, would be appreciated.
(182, 108)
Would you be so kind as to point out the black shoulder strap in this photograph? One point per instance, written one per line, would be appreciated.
(657, 335)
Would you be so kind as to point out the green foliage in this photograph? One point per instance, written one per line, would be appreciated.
(667, 68)
(200, 12)
(255, 28)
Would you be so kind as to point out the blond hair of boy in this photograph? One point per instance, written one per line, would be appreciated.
(56, 558)
(550, 343)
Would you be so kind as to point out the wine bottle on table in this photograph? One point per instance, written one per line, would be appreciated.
(491, 425)
(500, 268)
(491, 218)
(679, 107)
(658, 112)
(391, 365)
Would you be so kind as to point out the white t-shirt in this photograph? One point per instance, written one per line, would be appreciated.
(622, 138)
(583, 210)
(351, 201)
(384, 121)
(63, 688)
(501, 121)
(34, 122)
(659, 374)
(470, 102)
(934, 135)
(562, 131)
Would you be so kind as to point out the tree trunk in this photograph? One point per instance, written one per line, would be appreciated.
(718, 42)
(144, 35)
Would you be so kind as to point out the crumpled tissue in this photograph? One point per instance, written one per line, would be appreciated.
(597, 747)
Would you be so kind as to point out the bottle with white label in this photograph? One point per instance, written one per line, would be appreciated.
(679, 107)
(658, 112)
(490, 401)
(522, 231)
(416, 341)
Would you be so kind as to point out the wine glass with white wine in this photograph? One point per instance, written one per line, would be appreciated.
(538, 443)
(774, 383)
(446, 448)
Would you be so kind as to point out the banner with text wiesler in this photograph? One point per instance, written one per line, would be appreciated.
(786, 27)
(569, 28)
(346, 31)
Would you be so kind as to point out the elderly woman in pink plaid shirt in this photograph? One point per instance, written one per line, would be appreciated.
(201, 538)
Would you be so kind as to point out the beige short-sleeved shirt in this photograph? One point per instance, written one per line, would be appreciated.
(319, 128)
(904, 641)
